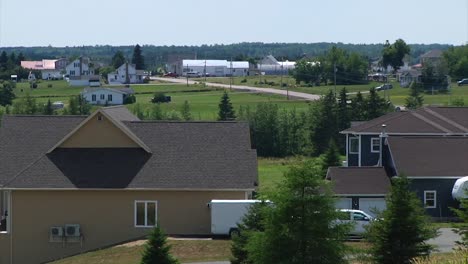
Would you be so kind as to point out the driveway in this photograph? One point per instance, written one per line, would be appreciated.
(445, 242)
(299, 95)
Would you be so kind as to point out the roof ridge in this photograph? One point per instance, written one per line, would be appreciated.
(385, 120)
(449, 121)
(23, 170)
(189, 122)
(432, 123)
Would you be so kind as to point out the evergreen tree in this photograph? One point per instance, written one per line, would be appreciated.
(3, 60)
(358, 108)
(118, 59)
(266, 129)
(343, 116)
(300, 227)
(226, 111)
(331, 158)
(402, 231)
(157, 113)
(138, 58)
(252, 222)
(48, 109)
(185, 111)
(157, 250)
(84, 108)
(415, 99)
(462, 230)
(20, 58)
(73, 108)
(6, 94)
(376, 106)
(324, 123)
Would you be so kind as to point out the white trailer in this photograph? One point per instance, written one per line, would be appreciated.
(460, 189)
(225, 214)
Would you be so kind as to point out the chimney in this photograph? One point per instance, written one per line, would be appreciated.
(127, 78)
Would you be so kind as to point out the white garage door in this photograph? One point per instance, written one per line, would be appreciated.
(368, 204)
(343, 203)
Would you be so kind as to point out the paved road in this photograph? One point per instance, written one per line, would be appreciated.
(299, 95)
(445, 242)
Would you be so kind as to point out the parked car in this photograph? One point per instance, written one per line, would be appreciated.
(462, 82)
(358, 218)
(193, 74)
(171, 74)
(382, 87)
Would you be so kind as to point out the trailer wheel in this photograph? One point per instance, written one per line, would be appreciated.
(233, 232)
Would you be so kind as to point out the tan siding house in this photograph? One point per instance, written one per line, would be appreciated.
(76, 184)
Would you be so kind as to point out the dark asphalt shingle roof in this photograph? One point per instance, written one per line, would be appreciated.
(425, 120)
(430, 156)
(184, 155)
(359, 180)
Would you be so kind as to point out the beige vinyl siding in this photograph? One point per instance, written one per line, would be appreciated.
(105, 217)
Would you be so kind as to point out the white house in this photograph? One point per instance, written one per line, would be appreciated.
(218, 68)
(126, 74)
(109, 96)
(270, 66)
(80, 71)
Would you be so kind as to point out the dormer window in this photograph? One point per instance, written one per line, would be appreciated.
(99, 117)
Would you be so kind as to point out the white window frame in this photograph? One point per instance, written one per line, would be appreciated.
(6, 207)
(349, 147)
(435, 199)
(146, 202)
(109, 97)
(372, 145)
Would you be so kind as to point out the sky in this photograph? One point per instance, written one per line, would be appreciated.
(195, 22)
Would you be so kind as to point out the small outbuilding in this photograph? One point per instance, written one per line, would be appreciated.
(106, 96)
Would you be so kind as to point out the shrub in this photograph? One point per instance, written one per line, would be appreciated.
(130, 99)
(146, 80)
(160, 98)
(49, 85)
(243, 80)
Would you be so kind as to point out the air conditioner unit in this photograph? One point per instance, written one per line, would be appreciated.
(56, 231)
(72, 230)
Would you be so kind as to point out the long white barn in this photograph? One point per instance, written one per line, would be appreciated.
(218, 68)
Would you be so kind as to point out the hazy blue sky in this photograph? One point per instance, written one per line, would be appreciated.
(195, 22)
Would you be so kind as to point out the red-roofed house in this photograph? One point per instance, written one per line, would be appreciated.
(50, 69)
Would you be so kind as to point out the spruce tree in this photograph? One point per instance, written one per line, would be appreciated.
(462, 230)
(156, 249)
(358, 108)
(252, 222)
(48, 109)
(118, 59)
(138, 58)
(324, 123)
(402, 231)
(331, 158)
(6, 94)
(185, 111)
(343, 117)
(301, 225)
(376, 106)
(226, 111)
(415, 99)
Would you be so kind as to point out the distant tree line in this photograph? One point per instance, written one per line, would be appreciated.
(156, 56)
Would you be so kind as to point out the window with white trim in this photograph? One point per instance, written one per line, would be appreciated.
(4, 212)
(353, 145)
(430, 199)
(109, 97)
(102, 96)
(146, 213)
(375, 145)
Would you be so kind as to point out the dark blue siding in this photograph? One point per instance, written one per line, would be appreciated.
(368, 158)
(353, 159)
(444, 195)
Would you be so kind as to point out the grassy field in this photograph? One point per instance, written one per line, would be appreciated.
(203, 100)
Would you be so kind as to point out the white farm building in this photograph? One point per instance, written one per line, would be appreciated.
(219, 68)
(106, 96)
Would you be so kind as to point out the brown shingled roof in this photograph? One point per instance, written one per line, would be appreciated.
(359, 180)
(430, 156)
(184, 155)
(425, 120)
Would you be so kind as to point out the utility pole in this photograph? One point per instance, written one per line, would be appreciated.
(204, 72)
(230, 78)
(186, 74)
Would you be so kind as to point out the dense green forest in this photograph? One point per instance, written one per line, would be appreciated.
(158, 55)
